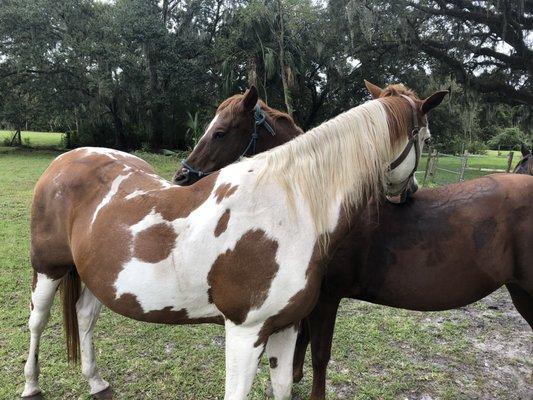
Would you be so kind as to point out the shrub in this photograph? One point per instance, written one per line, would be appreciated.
(508, 139)
(477, 147)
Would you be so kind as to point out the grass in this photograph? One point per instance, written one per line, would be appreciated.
(35, 139)
(491, 160)
(378, 352)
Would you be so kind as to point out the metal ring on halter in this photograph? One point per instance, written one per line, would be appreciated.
(259, 120)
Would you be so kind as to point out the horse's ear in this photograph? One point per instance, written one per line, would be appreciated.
(250, 98)
(525, 151)
(433, 101)
(374, 90)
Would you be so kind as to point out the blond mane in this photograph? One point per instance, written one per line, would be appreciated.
(344, 159)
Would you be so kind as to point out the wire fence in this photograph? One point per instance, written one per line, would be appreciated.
(443, 169)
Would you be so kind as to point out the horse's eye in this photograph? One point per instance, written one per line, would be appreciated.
(427, 141)
(219, 135)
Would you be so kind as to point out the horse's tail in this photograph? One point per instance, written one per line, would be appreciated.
(70, 293)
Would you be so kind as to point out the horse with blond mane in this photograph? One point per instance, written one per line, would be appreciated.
(246, 246)
(399, 256)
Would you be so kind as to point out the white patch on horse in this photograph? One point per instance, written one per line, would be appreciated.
(150, 219)
(209, 126)
(135, 193)
(164, 183)
(112, 191)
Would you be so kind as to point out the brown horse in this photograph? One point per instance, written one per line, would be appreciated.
(399, 255)
(525, 165)
(245, 246)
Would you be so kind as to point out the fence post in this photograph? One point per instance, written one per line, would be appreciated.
(464, 163)
(434, 163)
(510, 161)
(428, 165)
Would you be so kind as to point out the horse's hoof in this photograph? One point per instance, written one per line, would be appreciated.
(106, 394)
(35, 396)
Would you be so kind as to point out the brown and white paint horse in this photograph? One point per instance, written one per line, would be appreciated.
(399, 255)
(246, 245)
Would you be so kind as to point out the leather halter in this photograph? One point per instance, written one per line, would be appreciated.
(413, 141)
(259, 120)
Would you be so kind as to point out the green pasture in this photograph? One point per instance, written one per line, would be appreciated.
(34, 139)
(378, 353)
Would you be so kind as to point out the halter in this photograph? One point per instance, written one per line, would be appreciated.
(413, 141)
(259, 120)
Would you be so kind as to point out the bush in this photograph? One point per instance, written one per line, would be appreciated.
(477, 147)
(508, 139)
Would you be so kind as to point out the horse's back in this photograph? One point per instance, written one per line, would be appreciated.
(71, 183)
(444, 248)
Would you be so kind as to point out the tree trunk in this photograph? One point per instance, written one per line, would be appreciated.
(16, 140)
(120, 137)
(281, 57)
(156, 107)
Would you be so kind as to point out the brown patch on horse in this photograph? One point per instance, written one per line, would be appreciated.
(164, 316)
(240, 265)
(273, 362)
(155, 243)
(225, 190)
(222, 223)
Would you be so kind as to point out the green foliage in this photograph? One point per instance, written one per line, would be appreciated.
(126, 73)
(509, 139)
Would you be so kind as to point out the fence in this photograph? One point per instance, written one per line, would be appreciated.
(442, 169)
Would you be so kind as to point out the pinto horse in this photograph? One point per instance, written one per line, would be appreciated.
(245, 246)
(400, 256)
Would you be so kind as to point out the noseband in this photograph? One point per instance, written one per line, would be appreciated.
(413, 141)
(259, 120)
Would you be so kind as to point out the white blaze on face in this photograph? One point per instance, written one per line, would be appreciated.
(210, 126)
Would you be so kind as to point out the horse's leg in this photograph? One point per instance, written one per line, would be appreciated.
(299, 352)
(321, 325)
(42, 298)
(523, 301)
(87, 310)
(280, 351)
(242, 358)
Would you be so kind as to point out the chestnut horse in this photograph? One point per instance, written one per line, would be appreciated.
(399, 255)
(245, 246)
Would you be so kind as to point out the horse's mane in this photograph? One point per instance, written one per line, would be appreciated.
(231, 103)
(399, 118)
(344, 159)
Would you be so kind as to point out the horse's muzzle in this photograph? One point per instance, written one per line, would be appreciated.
(410, 189)
(184, 178)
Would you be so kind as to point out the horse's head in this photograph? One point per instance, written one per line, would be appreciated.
(243, 126)
(525, 165)
(408, 126)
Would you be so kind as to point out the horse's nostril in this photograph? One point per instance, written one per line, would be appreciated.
(179, 178)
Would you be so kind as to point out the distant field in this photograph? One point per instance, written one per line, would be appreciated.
(36, 139)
